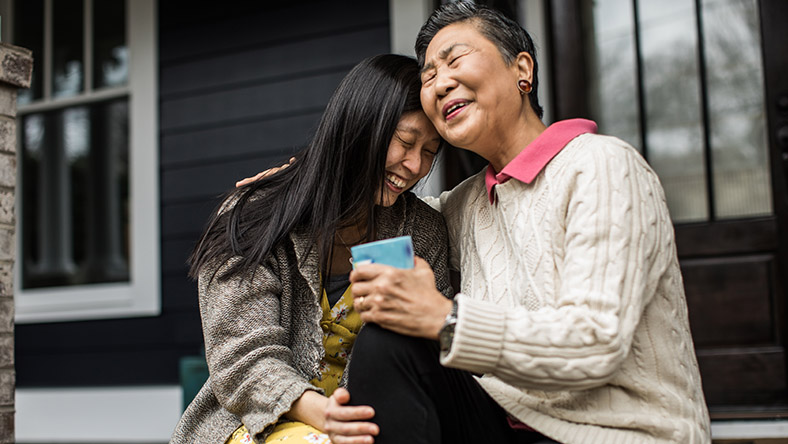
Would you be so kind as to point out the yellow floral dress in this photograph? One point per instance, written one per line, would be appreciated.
(340, 326)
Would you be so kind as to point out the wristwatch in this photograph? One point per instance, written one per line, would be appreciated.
(446, 334)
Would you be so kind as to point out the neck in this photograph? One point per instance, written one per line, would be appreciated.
(510, 143)
(344, 238)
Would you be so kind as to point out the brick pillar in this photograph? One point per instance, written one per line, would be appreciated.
(16, 66)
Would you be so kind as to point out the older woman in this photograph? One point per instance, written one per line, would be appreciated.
(572, 307)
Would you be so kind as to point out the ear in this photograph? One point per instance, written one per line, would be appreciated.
(525, 66)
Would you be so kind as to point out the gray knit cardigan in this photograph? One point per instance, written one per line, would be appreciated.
(263, 338)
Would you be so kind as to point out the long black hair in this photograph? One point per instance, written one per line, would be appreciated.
(333, 183)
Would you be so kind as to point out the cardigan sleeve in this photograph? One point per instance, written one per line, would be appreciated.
(251, 365)
(614, 217)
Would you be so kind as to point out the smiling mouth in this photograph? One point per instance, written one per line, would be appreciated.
(394, 180)
(453, 108)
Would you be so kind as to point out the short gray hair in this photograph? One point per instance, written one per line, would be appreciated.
(508, 36)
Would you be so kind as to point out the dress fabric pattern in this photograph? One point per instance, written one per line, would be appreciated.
(340, 325)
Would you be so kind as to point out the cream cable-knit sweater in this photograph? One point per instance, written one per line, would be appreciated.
(573, 305)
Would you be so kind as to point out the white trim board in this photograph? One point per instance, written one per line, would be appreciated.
(149, 414)
(90, 415)
(749, 429)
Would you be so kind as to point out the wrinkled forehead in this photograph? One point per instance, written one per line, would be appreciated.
(450, 37)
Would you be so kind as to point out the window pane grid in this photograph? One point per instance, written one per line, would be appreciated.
(75, 141)
(75, 189)
(696, 105)
(79, 46)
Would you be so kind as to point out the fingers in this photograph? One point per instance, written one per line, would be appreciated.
(248, 180)
(358, 303)
(346, 424)
(351, 439)
(367, 272)
(265, 173)
(420, 263)
(342, 413)
(341, 396)
(339, 411)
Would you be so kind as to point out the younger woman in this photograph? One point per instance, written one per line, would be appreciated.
(273, 263)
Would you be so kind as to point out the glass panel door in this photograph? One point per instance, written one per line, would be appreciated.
(683, 81)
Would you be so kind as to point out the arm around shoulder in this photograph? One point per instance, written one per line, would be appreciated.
(431, 242)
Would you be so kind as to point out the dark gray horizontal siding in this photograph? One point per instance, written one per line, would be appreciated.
(278, 136)
(240, 89)
(262, 25)
(254, 103)
(301, 58)
(185, 219)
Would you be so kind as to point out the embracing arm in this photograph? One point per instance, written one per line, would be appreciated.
(252, 370)
(451, 204)
(617, 227)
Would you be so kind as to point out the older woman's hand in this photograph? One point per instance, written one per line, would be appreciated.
(265, 173)
(347, 425)
(403, 301)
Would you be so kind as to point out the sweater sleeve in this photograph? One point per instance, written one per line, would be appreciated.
(613, 216)
(250, 363)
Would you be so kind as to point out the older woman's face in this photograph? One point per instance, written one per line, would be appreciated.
(468, 91)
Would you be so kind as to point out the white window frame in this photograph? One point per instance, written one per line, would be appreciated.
(140, 296)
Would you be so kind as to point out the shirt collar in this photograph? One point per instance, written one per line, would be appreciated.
(531, 160)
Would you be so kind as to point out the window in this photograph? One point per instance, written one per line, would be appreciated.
(683, 81)
(88, 170)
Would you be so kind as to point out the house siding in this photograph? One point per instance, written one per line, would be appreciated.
(240, 89)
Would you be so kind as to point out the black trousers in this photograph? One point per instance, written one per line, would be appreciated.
(417, 400)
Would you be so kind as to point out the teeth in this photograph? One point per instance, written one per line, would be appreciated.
(455, 107)
(396, 181)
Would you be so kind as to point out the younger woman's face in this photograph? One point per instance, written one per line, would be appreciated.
(410, 155)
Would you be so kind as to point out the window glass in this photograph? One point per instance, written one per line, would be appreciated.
(110, 53)
(614, 77)
(674, 127)
(29, 33)
(67, 47)
(648, 87)
(75, 194)
(734, 77)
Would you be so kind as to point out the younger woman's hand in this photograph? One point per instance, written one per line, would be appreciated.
(348, 425)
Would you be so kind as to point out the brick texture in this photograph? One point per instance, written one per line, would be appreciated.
(16, 65)
(6, 427)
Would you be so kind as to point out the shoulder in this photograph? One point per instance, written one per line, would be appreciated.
(424, 224)
(455, 202)
(588, 149)
(419, 216)
(470, 188)
(600, 155)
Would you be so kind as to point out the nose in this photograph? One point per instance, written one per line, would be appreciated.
(412, 161)
(444, 83)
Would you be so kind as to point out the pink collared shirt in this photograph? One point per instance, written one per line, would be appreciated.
(526, 165)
